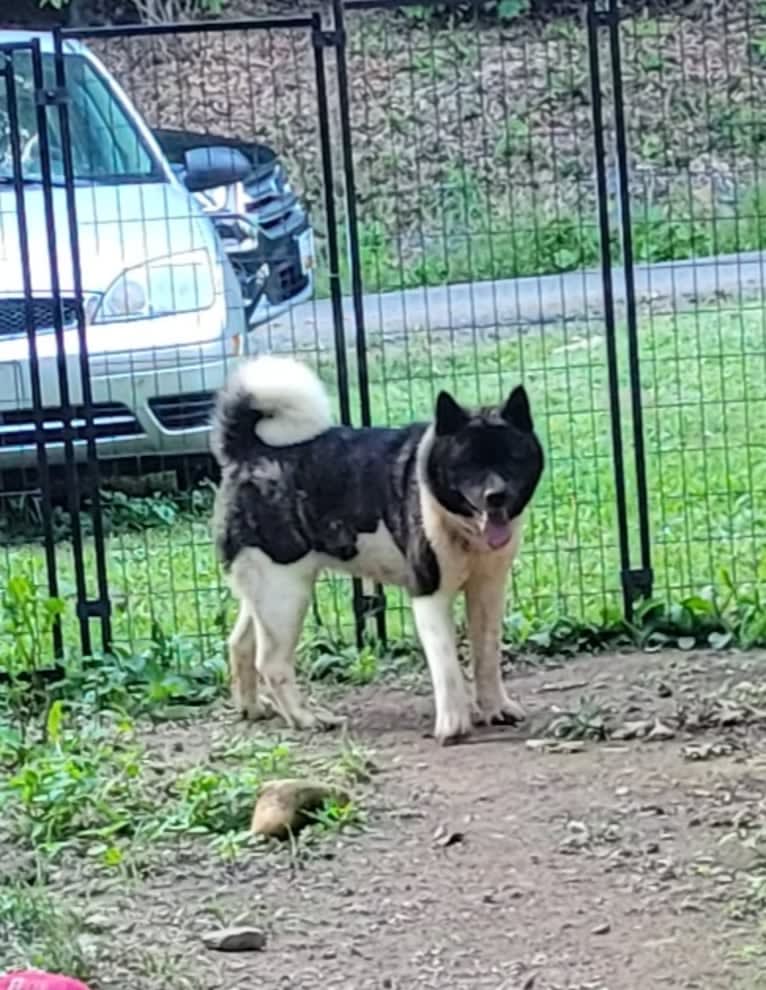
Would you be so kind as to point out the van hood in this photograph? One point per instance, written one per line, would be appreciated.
(119, 226)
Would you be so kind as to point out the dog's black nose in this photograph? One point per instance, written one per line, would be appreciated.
(495, 499)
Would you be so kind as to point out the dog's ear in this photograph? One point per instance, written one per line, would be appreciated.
(516, 410)
(450, 416)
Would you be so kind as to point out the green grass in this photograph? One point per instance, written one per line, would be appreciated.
(83, 780)
(704, 403)
(42, 932)
(83, 794)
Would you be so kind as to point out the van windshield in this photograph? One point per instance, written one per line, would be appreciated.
(106, 146)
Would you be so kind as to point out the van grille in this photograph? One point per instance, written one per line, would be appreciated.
(13, 315)
(183, 412)
(110, 420)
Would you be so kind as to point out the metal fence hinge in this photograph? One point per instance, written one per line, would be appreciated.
(336, 38)
(52, 97)
(605, 13)
(373, 604)
(638, 582)
(367, 604)
(95, 609)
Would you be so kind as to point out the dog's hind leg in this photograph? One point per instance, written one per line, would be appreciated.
(278, 597)
(433, 619)
(485, 601)
(244, 677)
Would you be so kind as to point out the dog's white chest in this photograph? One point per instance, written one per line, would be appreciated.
(378, 558)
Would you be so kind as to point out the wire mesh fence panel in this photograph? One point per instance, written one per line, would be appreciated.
(695, 103)
(35, 298)
(478, 232)
(200, 222)
(254, 91)
(202, 179)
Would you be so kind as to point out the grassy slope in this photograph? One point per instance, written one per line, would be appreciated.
(473, 147)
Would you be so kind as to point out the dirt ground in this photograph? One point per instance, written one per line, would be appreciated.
(502, 863)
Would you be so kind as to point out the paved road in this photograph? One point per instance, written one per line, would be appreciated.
(533, 301)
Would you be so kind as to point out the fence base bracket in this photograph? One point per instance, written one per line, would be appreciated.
(638, 583)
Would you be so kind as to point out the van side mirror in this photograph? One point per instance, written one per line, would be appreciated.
(206, 168)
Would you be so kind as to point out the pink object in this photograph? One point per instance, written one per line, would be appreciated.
(31, 979)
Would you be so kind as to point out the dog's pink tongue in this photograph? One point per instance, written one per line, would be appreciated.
(497, 534)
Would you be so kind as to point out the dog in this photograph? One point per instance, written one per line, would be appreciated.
(435, 508)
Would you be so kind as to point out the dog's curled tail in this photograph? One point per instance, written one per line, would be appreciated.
(272, 399)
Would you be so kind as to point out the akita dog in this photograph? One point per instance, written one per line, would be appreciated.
(435, 508)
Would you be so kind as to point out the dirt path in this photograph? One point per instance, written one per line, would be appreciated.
(498, 864)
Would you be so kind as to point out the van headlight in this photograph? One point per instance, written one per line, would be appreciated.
(179, 283)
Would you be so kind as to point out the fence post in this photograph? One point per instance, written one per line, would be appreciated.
(44, 480)
(52, 97)
(637, 582)
(592, 21)
(373, 604)
(100, 607)
(320, 40)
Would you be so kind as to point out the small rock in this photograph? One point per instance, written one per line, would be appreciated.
(98, 923)
(235, 940)
(446, 838)
(603, 929)
(578, 828)
(738, 854)
(632, 730)
(690, 906)
(285, 806)
(667, 872)
(723, 878)
(661, 732)
(612, 833)
(563, 686)
(578, 837)
(568, 746)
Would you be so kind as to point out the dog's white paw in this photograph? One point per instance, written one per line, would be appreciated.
(452, 724)
(498, 709)
(325, 719)
(251, 708)
(313, 719)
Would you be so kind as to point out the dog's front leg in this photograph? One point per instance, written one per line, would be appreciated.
(433, 619)
(485, 601)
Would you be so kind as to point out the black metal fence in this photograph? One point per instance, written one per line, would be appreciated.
(431, 195)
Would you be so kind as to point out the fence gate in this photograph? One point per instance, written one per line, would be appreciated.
(500, 155)
(120, 230)
(46, 392)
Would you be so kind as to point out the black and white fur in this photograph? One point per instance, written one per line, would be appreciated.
(434, 508)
